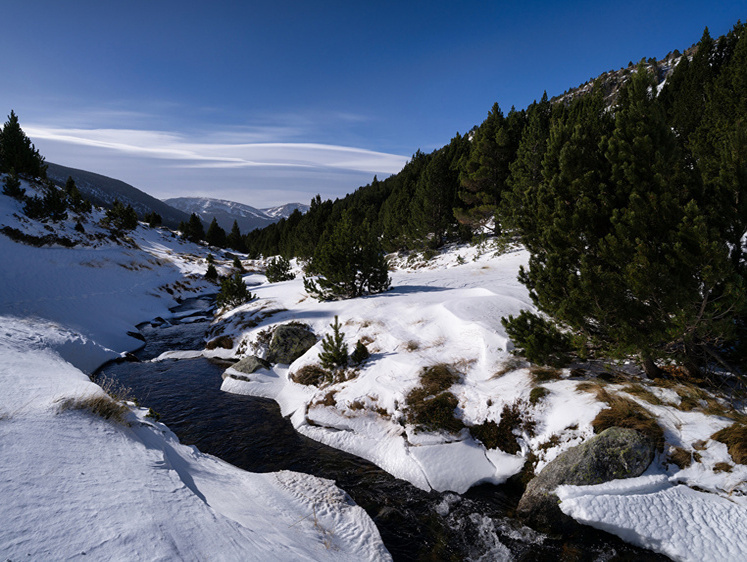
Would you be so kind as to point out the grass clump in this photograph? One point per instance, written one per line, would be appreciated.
(679, 456)
(537, 394)
(430, 406)
(311, 375)
(625, 413)
(643, 393)
(101, 405)
(722, 467)
(735, 439)
(544, 374)
(502, 435)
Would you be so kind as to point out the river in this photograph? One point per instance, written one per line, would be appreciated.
(250, 433)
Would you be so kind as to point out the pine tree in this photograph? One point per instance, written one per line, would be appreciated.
(120, 216)
(215, 235)
(17, 153)
(234, 239)
(154, 219)
(621, 212)
(334, 353)
(279, 269)
(193, 230)
(348, 262)
(360, 353)
(12, 187)
(233, 292)
(211, 274)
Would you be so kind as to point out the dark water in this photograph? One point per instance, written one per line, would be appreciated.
(251, 434)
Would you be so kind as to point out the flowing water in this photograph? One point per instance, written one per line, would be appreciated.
(250, 433)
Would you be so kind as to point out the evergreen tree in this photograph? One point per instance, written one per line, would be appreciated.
(154, 219)
(211, 274)
(485, 171)
(334, 353)
(623, 213)
(233, 292)
(12, 187)
(279, 269)
(120, 216)
(348, 262)
(431, 211)
(215, 235)
(193, 230)
(360, 353)
(17, 153)
(234, 239)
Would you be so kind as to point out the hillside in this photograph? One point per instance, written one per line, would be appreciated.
(226, 212)
(103, 191)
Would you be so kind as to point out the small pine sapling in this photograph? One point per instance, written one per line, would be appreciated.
(12, 187)
(233, 292)
(360, 353)
(211, 274)
(279, 269)
(237, 264)
(334, 353)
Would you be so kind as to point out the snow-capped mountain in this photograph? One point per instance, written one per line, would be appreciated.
(225, 212)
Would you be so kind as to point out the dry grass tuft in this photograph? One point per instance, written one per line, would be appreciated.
(679, 456)
(722, 467)
(412, 345)
(735, 438)
(642, 392)
(625, 413)
(596, 389)
(502, 435)
(429, 405)
(101, 405)
(544, 374)
(311, 375)
(509, 365)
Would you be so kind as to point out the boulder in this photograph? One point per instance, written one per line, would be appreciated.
(289, 342)
(247, 365)
(613, 454)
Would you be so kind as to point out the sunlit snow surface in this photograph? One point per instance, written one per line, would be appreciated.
(675, 520)
(74, 485)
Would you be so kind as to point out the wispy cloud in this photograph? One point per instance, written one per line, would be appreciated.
(205, 152)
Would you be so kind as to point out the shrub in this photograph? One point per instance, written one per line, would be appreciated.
(279, 269)
(211, 274)
(360, 353)
(679, 456)
(735, 439)
(334, 353)
(233, 292)
(237, 265)
(120, 217)
(12, 187)
(311, 375)
(537, 339)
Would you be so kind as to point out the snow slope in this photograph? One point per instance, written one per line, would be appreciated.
(75, 484)
(448, 311)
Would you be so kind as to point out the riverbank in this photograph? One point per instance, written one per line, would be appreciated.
(82, 475)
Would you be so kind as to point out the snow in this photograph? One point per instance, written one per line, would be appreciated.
(675, 520)
(63, 311)
(75, 484)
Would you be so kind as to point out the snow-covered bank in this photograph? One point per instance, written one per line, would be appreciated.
(75, 484)
(447, 311)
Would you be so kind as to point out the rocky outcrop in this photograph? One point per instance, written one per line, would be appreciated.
(247, 365)
(615, 453)
(289, 342)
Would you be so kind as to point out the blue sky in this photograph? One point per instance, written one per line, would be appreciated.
(267, 103)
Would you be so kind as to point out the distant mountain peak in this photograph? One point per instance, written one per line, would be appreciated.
(225, 212)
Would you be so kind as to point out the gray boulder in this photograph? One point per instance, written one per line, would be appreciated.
(615, 453)
(248, 365)
(289, 342)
